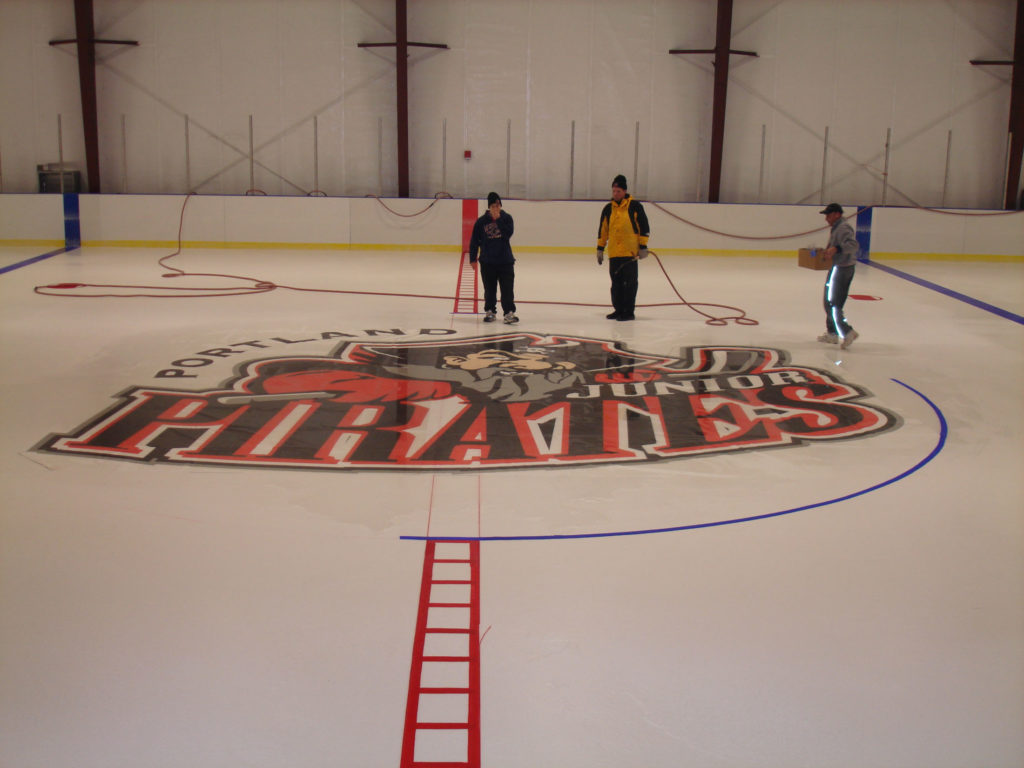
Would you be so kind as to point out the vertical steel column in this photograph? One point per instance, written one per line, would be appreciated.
(402, 74)
(1016, 127)
(85, 42)
(86, 35)
(723, 36)
(721, 53)
(401, 46)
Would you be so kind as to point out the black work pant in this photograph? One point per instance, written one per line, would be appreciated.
(494, 276)
(625, 273)
(837, 289)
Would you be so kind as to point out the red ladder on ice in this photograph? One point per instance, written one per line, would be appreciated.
(467, 290)
(442, 712)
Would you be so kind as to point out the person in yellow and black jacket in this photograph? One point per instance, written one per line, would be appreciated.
(625, 231)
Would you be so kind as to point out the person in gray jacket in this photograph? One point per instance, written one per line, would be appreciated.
(843, 250)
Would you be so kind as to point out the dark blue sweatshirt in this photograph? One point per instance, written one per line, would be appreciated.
(491, 238)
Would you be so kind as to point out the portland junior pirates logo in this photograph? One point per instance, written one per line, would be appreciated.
(505, 401)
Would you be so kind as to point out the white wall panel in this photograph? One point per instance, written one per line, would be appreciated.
(437, 98)
(32, 217)
(406, 222)
(220, 220)
(920, 119)
(311, 85)
(913, 231)
(980, 102)
(150, 219)
(858, 68)
(620, 89)
(559, 86)
(798, 81)
(865, 99)
(496, 46)
(369, 100)
(555, 225)
(286, 220)
(675, 134)
(31, 72)
(38, 82)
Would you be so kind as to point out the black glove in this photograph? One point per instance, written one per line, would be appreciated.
(600, 255)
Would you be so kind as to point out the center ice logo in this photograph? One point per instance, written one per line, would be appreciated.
(515, 400)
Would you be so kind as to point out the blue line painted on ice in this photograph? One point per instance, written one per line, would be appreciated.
(951, 293)
(33, 260)
(943, 432)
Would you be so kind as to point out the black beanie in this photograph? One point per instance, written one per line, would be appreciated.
(619, 181)
(493, 198)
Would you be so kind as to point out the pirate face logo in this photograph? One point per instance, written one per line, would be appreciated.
(516, 400)
(504, 361)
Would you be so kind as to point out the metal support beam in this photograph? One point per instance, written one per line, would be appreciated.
(401, 46)
(402, 81)
(1016, 124)
(1016, 127)
(86, 34)
(85, 38)
(723, 37)
(721, 52)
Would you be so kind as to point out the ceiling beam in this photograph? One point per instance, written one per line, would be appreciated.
(85, 39)
(722, 51)
(401, 46)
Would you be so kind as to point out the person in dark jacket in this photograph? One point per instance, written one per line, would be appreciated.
(490, 242)
(625, 231)
(843, 249)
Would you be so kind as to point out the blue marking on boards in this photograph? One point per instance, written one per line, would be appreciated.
(72, 222)
(864, 232)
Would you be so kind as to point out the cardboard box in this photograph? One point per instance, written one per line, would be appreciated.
(813, 258)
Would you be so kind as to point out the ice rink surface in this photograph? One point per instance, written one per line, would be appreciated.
(829, 603)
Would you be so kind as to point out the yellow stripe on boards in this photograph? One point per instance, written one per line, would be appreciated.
(16, 243)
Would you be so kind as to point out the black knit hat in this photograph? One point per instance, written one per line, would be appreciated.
(493, 198)
(620, 182)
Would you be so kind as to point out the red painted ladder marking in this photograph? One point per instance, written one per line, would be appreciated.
(468, 556)
(467, 288)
